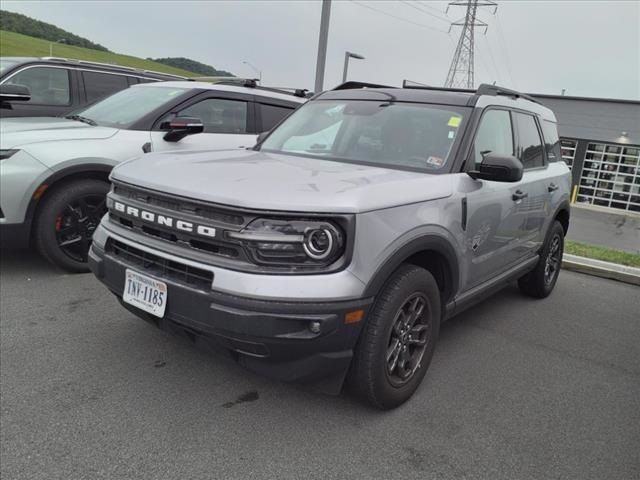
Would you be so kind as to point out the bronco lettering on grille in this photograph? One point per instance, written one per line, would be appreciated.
(164, 220)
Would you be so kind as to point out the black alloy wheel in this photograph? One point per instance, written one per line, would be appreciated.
(408, 339)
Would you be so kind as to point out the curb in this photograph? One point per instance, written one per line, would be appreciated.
(598, 268)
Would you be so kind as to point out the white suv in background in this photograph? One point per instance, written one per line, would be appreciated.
(54, 171)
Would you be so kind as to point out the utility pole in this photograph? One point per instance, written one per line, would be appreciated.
(461, 70)
(322, 44)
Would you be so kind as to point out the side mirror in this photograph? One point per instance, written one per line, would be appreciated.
(180, 127)
(498, 168)
(13, 93)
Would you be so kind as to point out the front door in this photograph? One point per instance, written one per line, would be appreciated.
(225, 126)
(497, 212)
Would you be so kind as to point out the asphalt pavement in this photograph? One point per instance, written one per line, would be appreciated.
(518, 389)
(611, 229)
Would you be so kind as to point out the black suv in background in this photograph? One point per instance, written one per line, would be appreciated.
(59, 85)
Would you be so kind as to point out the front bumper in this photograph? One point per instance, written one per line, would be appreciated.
(272, 338)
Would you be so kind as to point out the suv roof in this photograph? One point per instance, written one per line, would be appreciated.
(71, 62)
(224, 86)
(416, 93)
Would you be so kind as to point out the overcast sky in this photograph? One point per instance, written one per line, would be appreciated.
(590, 48)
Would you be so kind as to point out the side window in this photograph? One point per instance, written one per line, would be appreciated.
(271, 115)
(99, 85)
(551, 141)
(530, 145)
(494, 135)
(48, 86)
(219, 115)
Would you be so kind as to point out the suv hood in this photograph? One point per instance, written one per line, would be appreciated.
(15, 132)
(268, 181)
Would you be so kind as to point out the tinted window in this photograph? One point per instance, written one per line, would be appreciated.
(219, 115)
(390, 134)
(99, 85)
(551, 141)
(126, 107)
(271, 115)
(530, 146)
(48, 86)
(494, 135)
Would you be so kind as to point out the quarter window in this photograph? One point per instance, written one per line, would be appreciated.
(530, 145)
(48, 86)
(219, 115)
(99, 85)
(551, 141)
(494, 135)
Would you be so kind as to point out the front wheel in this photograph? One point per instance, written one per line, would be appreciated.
(539, 282)
(398, 341)
(66, 221)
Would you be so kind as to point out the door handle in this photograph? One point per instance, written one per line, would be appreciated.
(553, 187)
(519, 195)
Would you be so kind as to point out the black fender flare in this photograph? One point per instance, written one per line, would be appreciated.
(428, 241)
(563, 206)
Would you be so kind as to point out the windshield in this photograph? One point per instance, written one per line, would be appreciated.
(390, 134)
(123, 109)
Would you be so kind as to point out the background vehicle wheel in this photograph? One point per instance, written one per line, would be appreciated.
(539, 282)
(66, 221)
(398, 341)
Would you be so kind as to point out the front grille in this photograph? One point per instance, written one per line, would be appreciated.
(177, 237)
(190, 207)
(160, 266)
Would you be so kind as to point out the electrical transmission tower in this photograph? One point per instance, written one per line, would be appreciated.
(461, 70)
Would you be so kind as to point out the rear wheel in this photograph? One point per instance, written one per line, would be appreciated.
(66, 221)
(399, 339)
(539, 283)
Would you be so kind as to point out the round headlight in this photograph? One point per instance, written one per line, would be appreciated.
(318, 243)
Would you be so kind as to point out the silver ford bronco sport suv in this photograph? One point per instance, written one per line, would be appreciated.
(333, 249)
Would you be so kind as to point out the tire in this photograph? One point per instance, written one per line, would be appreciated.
(66, 220)
(372, 376)
(539, 282)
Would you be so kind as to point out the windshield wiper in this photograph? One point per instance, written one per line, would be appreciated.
(82, 119)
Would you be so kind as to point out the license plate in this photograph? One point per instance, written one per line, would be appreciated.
(145, 293)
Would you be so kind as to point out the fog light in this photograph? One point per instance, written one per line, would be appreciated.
(314, 327)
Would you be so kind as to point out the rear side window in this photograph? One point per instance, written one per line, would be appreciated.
(219, 115)
(529, 145)
(495, 135)
(551, 141)
(48, 86)
(271, 115)
(100, 85)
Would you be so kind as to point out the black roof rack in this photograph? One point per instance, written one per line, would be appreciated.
(483, 89)
(487, 89)
(253, 83)
(353, 85)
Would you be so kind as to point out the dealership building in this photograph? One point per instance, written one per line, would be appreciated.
(601, 144)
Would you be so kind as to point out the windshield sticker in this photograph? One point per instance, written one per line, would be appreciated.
(452, 133)
(436, 162)
(454, 122)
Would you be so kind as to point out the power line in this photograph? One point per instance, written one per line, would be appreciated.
(399, 18)
(437, 17)
(493, 61)
(431, 7)
(506, 53)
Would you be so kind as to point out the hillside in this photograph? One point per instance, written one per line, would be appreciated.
(15, 22)
(193, 66)
(18, 45)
